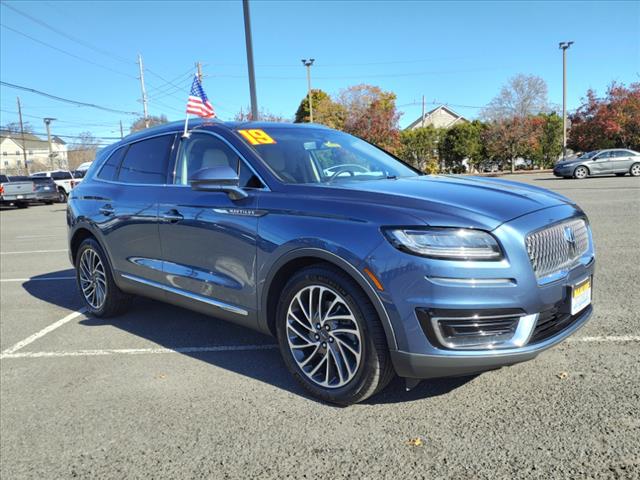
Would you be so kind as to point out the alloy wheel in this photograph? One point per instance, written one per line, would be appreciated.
(93, 279)
(323, 336)
(635, 170)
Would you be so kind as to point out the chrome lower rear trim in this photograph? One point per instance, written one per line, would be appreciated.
(190, 295)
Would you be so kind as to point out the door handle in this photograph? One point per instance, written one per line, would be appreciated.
(172, 216)
(107, 210)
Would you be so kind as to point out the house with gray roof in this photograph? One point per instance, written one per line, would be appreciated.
(13, 146)
(440, 117)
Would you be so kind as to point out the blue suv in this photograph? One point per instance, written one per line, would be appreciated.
(361, 266)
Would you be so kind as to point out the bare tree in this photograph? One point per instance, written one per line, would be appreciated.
(83, 150)
(140, 123)
(523, 95)
(14, 127)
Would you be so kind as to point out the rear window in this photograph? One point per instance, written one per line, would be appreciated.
(41, 180)
(109, 170)
(146, 161)
(61, 175)
(3, 178)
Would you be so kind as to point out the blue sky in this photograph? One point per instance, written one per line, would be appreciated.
(459, 53)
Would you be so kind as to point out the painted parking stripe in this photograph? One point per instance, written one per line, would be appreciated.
(25, 252)
(605, 339)
(43, 332)
(138, 351)
(35, 279)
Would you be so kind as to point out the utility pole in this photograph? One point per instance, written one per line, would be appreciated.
(121, 131)
(308, 63)
(199, 70)
(24, 145)
(252, 75)
(144, 92)
(422, 122)
(47, 122)
(564, 46)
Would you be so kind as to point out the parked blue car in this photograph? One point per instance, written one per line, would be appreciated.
(361, 266)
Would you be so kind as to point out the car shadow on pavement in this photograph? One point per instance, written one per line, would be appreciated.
(176, 328)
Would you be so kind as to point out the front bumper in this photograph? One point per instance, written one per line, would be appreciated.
(563, 171)
(459, 362)
(412, 284)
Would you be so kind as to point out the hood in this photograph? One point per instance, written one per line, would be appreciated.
(460, 201)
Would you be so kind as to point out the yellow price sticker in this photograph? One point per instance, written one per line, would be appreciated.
(256, 136)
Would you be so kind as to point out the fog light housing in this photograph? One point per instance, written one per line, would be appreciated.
(482, 330)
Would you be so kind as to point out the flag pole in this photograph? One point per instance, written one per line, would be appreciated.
(186, 125)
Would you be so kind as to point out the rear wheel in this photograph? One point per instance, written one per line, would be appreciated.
(581, 172)
(635, 170)
(331, 338)
(101, 295)
(22, 204)
(62, 196)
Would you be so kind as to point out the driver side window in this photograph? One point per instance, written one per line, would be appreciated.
(201, 151)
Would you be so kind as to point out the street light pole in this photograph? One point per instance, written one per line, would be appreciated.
(47, 122)
(308, 63)
(564, 46)
(252, 75)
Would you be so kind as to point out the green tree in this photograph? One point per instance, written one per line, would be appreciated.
(547, 145)
(317, 96)
(460, 142)
(508, 139)
(152, 121)
(419, 147)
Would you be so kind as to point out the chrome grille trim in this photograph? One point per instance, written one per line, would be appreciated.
(557, 247)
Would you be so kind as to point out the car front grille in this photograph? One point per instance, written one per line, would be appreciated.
(558, 247)
(553, 321)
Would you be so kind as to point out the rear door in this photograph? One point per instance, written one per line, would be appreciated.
(209, 241)
(134, 177)
(622, 160)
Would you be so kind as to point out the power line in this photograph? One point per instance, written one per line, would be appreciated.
(70, 123)
(66, 52)
(66, 35)
(66, 100)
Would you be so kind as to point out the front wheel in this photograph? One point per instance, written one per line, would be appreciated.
(635, 170)
(101, 295)
(581, 172)
(62, 196)
(331, 338)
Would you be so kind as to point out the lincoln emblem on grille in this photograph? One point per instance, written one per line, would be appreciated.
(570, 237)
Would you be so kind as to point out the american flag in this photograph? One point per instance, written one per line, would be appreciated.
(198, 103)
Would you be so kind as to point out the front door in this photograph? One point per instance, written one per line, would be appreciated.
(208, 241)
(602, 163)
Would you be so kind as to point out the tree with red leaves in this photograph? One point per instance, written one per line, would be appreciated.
(609, 122)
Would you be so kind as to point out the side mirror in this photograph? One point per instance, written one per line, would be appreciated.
(218, 179)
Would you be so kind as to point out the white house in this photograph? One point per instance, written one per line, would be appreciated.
(439, 117)
(12, 148)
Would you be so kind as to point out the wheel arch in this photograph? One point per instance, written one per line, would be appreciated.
(293, 261)
(80, 234)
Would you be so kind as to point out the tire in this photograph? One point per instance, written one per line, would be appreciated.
(321, 349)
(22, 205)
(620, 174)
(48, 203)
(581, 172)
(89, 258)
(635, 170)
(62, 196)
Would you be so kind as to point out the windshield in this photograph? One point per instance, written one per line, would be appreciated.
(308, 155)
(588, 155)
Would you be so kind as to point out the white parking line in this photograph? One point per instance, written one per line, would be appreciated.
(33, 251)
(42, 333)
(35, 279)
(137, 351)
(621, 338)
(20, 237)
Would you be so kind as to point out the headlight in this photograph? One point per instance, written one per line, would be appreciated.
(449, 243)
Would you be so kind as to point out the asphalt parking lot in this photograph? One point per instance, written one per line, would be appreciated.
(162, 392)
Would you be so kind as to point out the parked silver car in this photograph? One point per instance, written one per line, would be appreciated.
(600, 162)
